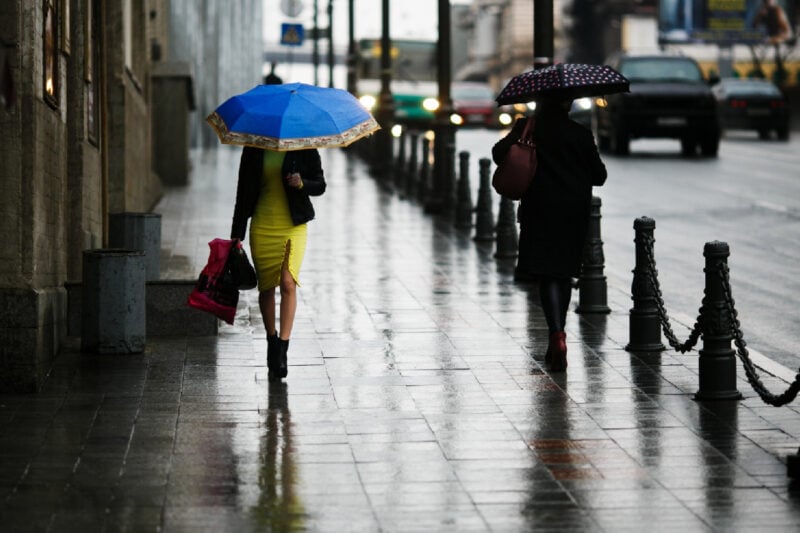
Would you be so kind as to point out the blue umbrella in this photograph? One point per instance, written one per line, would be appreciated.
(292, 116)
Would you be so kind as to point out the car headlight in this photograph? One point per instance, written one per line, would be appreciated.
(505, 119)
(531, 106)
(430, 104)
(397, 130)
(583, 103)
(456, 119)
(368, 101)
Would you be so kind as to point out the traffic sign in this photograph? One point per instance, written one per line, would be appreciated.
(291, 8)
(291, 34)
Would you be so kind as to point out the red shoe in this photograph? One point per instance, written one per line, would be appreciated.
(556, 357)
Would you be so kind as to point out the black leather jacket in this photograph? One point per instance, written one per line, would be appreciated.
(306, 162)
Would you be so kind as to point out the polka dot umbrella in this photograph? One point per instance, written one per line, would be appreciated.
(565, 81)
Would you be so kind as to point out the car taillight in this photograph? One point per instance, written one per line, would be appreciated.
(738, 104)
(777, 104)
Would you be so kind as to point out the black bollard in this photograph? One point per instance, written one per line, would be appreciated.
(593, 294)
(464, 205)
(484, 222)
(506, 230)
(412, 172)
(793, 466)
(645, 324)
(423, 190)
(451, 187)
(400, 164)
(717, 358)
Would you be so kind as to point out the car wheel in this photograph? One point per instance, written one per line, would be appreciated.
(709, 147)
(783, 133)
(688, 147)
(622, 143)
(763, 134)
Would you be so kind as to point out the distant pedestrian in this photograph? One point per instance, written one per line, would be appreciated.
(554, 212)
(272, 78)
(773, 18)
(274, 190)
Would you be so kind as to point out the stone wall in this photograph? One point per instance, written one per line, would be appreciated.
(33, 203)
(222, 40)
(60, 182)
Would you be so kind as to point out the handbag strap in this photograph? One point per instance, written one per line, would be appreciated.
(527, 132)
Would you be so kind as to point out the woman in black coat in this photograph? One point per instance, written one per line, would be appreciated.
(554, 212)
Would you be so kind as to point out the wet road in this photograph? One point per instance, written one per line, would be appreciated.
(748, 197)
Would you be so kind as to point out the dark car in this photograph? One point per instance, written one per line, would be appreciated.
(752, 104)
(668, 98)
(474, 105)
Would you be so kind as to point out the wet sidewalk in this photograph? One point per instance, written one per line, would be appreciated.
(417, 400)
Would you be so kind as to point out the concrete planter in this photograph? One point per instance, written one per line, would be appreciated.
(113, 301)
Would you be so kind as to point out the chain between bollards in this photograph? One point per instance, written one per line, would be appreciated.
(744, 354)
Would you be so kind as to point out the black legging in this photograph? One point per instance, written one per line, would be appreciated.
(555, 294)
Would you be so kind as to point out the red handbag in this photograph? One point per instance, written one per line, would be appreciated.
(514, 174)
(215, 291)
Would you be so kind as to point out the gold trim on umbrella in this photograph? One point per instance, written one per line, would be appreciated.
(345, 138)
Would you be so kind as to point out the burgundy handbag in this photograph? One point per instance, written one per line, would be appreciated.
(514, 174)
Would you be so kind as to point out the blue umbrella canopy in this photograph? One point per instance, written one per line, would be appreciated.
(292, 116)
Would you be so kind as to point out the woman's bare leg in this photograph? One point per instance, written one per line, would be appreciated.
(266, 302)
(288, 303)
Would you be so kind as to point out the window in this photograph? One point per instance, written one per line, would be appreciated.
(92, 68)
(50, 56)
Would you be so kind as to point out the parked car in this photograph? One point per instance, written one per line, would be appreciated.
(474, 105)
(752, 104)
(669, 97)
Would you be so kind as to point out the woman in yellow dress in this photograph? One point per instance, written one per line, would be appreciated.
(274, 190)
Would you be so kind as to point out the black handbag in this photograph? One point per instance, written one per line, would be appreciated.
(242, 274)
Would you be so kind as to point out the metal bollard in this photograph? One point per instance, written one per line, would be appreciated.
(424, 188)
(717, 358)
(644, 324)
(400, 164)
(506, 230)
(450, 193)
(593, 294)
(484, 223)
(464, 206)
(113, 301)
(412, 171)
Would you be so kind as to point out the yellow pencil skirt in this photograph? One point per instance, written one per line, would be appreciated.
(272, 247)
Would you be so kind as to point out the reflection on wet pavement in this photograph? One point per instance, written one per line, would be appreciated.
(416, 400)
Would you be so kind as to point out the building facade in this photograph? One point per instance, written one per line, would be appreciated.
(76, 115)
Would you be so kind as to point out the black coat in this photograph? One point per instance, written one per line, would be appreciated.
(251, 167)
(554, 212)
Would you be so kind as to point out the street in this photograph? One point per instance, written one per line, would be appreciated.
(748, 197)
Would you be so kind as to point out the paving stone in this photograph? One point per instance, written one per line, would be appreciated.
(417, 400)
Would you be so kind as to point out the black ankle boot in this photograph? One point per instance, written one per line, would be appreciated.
(283, 366)
(273, 356)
